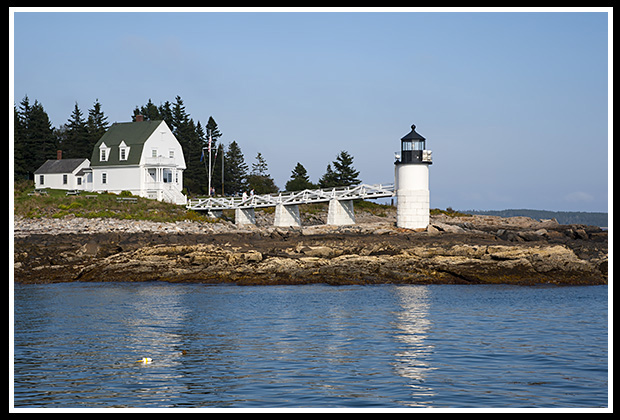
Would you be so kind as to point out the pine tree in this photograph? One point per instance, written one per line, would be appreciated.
(96, 126)
(259, 179)
(149, 111)
(165, 113)
(216, 154)
(36, 141)
(75, 141)
(260, 167)
(19, 162)
(198, 144)
(191, 138)
(235, 170)
(299, 179)
(179, 117)
(345, 173)
(214, 131)
(329, 179)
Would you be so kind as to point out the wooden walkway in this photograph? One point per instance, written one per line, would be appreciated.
(362, 191)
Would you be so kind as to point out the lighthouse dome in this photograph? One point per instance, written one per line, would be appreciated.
(413, 135)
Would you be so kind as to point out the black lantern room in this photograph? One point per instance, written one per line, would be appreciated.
(413, 148)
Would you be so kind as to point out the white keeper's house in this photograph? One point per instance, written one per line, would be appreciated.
(141, 157)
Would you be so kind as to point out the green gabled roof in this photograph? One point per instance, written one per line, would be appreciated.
(134, 134)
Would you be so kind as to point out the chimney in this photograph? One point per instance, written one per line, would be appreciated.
(58, 154)
(139, 118)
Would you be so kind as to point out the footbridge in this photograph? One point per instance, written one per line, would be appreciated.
(287, 203)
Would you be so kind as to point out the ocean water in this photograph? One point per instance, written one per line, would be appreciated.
(77, 345)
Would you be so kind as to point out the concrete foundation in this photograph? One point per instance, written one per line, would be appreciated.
(245, 217)
(287, 216)
(340, 213)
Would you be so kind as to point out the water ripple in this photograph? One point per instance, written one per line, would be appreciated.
(76, 345)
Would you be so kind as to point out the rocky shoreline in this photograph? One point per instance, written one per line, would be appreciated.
(452, 250)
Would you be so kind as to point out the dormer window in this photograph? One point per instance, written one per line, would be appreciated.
(123, 151)
(104, 153)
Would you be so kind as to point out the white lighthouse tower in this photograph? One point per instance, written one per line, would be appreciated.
(411, 182)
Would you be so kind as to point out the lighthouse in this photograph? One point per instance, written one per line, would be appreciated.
(411, 182)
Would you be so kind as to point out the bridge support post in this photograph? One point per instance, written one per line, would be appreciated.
(340, 212)
(245, 217)
(287, 216)
(215, 213)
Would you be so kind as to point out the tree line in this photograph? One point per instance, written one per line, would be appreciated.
(35, 141)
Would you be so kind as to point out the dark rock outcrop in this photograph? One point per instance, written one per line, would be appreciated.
(467, 250)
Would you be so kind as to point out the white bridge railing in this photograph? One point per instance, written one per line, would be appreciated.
(361, 191)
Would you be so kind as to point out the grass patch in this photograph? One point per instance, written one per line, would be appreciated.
(57, 204)
(448, 212)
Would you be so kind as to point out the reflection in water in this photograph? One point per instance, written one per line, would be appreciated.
(76, 345)
(413, 324)
(154, 330)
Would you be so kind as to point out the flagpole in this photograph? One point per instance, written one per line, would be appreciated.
(209, 163)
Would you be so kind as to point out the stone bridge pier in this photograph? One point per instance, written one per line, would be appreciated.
(340, 212)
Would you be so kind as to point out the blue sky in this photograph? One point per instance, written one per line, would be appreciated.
(514, 106)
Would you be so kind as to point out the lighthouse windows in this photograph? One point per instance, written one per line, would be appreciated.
(413, 145)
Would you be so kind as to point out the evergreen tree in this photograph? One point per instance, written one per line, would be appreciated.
(329, 179)
(149, 111)
(74, 142)
(214, 131)
(235, 170)
(179, 116)
(299, 179)
(165, 113)
(346, 174)
(198, 146)
(342, 175)
(191, 138)
(19, 162)
(259, 179)
(260, 167)
(96, 126)
(216, 154)
(35, 141)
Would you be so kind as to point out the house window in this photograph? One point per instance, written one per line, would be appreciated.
(104, 178)
(104, 152)
(153, 152)
(79, 180)
(167, 175)
(171, 154)
(123, 151)
(41, 180)
(64, 179)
